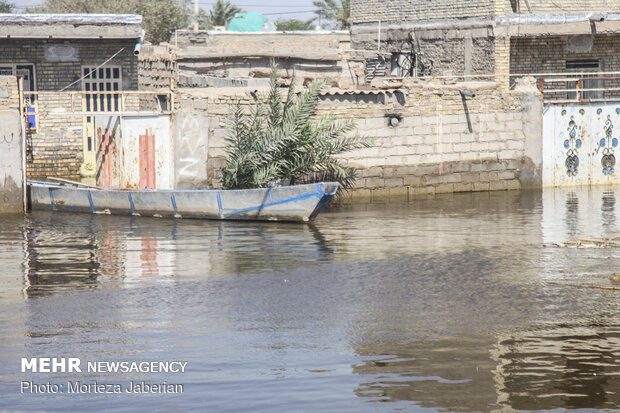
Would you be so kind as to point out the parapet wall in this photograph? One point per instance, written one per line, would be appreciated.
(439, 142)
(156, 68)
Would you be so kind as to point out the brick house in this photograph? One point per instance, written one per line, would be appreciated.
(470, 37)
(57, 55)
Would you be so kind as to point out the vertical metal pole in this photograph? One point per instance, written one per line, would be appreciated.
(22, 124)
(379, 37)
(196, 12)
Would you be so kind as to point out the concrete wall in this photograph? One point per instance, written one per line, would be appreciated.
(191, 147)
(441, 144)
(445, 143)
(11, 148)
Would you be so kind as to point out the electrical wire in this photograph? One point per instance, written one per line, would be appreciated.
(92, 71)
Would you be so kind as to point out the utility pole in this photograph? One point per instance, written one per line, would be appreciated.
(195, 15)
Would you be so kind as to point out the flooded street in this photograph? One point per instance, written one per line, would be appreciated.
(460, 302)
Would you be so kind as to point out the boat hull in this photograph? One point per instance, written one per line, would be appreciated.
(286, 203)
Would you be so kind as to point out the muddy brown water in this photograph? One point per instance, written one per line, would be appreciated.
(466, 302)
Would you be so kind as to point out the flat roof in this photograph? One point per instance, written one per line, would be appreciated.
(70, 26)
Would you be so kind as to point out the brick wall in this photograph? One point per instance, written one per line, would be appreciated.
(56, 144)
(53, 75)
(442, 144)
(363, 11)
(549, 54)
(559, 6)
(156, 68)
(9, 98)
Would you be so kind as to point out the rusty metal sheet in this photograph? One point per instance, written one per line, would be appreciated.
(109, 166)
(147, 152)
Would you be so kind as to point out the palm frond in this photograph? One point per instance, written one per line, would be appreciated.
(275, 141)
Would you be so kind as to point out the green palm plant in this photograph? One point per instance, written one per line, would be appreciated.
(331, 10)
(222, 13)
(280, 141)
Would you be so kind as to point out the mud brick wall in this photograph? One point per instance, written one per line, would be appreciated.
(441, 143)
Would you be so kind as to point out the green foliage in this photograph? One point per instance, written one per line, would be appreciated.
(284, 25)
(160, 17)
(331, 10)
(277, 141)
(204, 21)
(222, 13)
(6, 7)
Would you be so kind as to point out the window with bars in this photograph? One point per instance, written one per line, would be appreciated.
(102, 79)
(587, 81)
(27, 73)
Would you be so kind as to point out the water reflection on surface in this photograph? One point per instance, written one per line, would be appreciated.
(462, 302)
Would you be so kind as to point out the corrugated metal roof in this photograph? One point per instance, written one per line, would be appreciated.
(70, 18)
(340, 92)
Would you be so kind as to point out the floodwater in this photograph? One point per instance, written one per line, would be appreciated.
(465, 302)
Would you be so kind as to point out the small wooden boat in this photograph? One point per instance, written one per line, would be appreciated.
(284, 203)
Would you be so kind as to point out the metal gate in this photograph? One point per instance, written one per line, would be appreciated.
(580, 141)
(134, 151)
